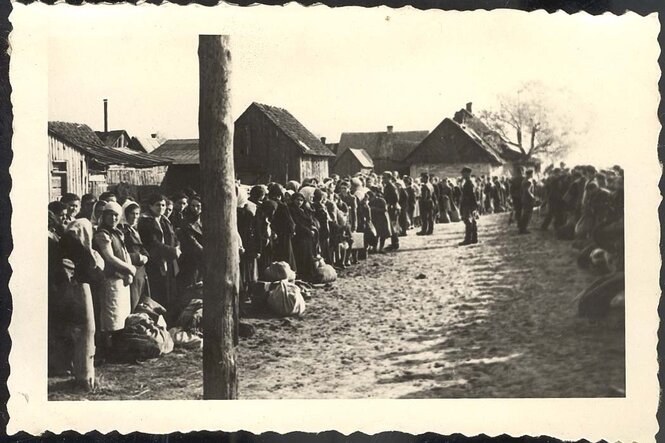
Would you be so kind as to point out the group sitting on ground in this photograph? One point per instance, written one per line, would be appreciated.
(136, 268)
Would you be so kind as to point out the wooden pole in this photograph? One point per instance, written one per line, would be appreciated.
(221, 252)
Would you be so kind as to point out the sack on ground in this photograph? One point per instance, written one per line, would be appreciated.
(285, 299)
(142, 338)
(277, 271)
(324, 274)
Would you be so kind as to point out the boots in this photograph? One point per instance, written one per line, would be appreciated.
(474, 234)
(467, 236)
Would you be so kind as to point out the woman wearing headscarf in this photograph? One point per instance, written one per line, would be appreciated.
(75, 313)
(97, 210)
(115, 298)
(163, 248)
(137, 251)
(283, 228)
(304, 241)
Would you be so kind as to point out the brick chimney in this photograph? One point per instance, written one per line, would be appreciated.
(106, 115)
(323, 140)
(469, 107)
(390, 129)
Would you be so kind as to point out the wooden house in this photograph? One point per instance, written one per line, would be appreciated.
(465, 140)
(117, 138)
(352, 161)
(184, 171)
(80, 163)
(387, 149)
(270, 144)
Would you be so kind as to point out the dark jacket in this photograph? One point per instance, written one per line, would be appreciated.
(160, 241)
(134, 244)
(468, 201)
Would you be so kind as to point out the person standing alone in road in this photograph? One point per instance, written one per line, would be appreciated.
(468, 208)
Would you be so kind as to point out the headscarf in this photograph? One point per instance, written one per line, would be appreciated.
(93, 216)
(125, 207)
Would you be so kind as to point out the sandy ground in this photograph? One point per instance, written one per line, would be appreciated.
(490, 320)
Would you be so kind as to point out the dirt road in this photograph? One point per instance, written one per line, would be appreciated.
(490, 320)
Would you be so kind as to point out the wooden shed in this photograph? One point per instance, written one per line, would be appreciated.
(465, 141)
(352, 161)
(80, 163)
(184, 171)
(270, 144)
(387, 149)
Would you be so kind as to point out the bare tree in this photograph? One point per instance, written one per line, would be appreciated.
(531, 119)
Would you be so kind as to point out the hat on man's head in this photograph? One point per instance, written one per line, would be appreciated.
(466, 170)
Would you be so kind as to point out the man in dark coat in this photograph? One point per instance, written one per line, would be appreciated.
(468, 208)
(392, 202)
(426, 205)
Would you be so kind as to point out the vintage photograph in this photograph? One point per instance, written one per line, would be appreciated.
(429, 214)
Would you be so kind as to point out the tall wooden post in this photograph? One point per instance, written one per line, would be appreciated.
(221, 252)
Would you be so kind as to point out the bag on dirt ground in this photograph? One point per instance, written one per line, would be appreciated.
(142, 338)
(285, 299)
(324, 274)
(277, 271)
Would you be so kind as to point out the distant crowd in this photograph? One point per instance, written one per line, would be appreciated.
(110, 259)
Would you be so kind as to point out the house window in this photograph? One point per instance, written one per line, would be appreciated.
(58, 179)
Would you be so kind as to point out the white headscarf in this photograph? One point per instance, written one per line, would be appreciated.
(126, 205)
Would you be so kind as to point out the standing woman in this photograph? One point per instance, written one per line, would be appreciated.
(97, 210)
(115, 299)
(137, 252)
(283, 228)
(304, 241)
(163, 248)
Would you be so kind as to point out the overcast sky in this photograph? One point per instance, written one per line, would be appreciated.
(337, 73)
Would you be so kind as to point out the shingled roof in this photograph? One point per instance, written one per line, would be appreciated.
(111, 137)
(395, 145)
(81, 137)
(308, 142)
(491, 139)
(181, 151)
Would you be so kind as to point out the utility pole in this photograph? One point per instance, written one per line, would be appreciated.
(221, 251)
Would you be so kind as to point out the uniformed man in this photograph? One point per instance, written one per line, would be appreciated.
(468, 208)
(426, 205)
(392, 202)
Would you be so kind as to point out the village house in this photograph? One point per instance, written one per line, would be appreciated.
(270, 144)
(352, 161)
(80, 163)
(387, 149)
(465, 140)
(184, 171)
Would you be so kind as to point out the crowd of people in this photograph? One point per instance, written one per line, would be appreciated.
(107, 257)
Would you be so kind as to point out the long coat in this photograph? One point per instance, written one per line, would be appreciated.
(160, 240)
(284, 230)
(468, 201)
(134, 245)
(190, 236)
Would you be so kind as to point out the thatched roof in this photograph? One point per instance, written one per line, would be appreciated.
(393, 145)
